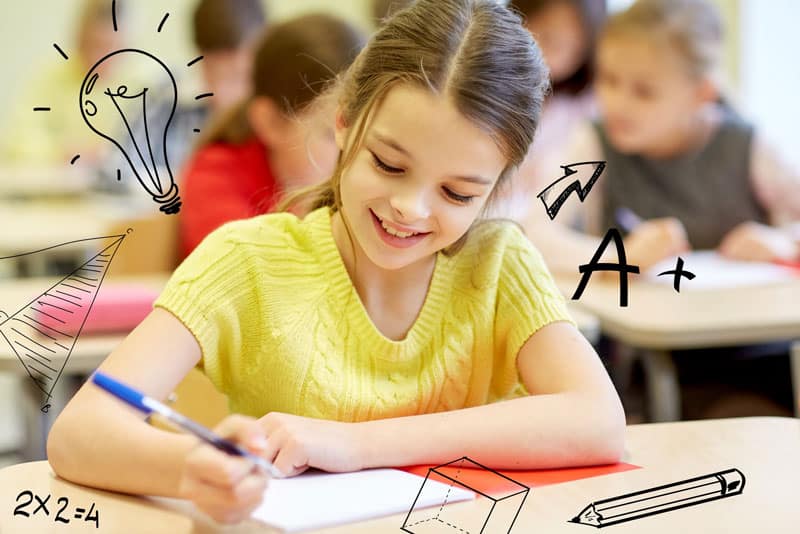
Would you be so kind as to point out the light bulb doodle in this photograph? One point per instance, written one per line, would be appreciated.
(141, 111)
(99, 96)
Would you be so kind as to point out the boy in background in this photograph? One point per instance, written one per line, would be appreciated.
(225, 33)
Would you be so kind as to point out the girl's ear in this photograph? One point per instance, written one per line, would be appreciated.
(266, 120)
(341, 129)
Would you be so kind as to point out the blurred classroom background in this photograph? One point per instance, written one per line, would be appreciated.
(761, 80)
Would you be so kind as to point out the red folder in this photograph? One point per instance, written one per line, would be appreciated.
(489, 481)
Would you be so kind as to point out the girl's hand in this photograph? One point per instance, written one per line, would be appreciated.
(751, 241)
(226, 487)
(296, 443)
(655, 240)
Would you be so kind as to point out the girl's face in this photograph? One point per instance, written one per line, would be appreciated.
(647, 97)
(419, 180)
(559, 31)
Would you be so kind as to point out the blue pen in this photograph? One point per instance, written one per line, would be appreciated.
(148, 405)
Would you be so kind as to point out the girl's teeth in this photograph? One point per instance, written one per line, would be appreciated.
(394, 232)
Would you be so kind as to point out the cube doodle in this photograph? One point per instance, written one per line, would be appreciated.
(494, 513)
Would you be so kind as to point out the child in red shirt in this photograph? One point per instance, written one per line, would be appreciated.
(271, 142)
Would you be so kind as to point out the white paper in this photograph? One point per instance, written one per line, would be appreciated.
(713, 271)
(317, 500)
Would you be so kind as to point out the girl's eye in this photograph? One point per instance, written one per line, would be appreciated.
(462, 199)
(384, 167)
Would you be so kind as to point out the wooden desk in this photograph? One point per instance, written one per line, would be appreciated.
(88, 352)
(658, 319)
(766, 450)
(31, 225)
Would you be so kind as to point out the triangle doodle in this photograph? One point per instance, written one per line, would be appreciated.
(43, 333)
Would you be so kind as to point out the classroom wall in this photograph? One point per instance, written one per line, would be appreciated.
(770, 79)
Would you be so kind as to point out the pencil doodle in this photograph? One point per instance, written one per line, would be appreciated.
(678, 273)
(504, 499)
(575, 186)
(127, 100)
(43, 333)
(621, 266)
(660, 499)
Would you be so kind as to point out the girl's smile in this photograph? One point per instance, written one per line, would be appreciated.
(395, 235)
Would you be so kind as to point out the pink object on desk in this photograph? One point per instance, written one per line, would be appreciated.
(117, 308)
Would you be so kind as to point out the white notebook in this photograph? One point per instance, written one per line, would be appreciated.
(712, 271)
(317, 500)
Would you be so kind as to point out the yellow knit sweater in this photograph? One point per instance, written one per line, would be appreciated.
(282, 328)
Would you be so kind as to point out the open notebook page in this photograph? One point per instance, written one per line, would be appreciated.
(316, 500)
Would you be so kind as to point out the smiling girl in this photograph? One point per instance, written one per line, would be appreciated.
(389, 326)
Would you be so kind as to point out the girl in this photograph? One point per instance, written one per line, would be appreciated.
(566, 31)
(267, 144)
(387, 327)
(676, 156)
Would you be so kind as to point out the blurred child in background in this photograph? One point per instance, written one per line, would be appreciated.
(269, 144)
(53, 137)
(688, 166)
(225, 34)
(567, 32)
(684, 171)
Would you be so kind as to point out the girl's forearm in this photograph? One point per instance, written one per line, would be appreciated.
(541, 431)
(128, 457)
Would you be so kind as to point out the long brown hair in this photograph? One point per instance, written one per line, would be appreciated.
(474, 51)
(295, 61)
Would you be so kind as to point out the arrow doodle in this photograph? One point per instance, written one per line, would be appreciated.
(582, 192)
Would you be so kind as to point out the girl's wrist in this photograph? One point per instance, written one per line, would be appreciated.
(365, 446)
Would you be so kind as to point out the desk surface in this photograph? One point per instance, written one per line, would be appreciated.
(766, 450)
(657, 317)
(30, 225)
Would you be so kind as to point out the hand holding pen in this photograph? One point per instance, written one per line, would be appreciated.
(650, 241)
(226, 480)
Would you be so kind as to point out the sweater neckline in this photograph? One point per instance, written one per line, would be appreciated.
(347, 296)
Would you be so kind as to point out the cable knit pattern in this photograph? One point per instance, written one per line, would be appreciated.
(282, 328)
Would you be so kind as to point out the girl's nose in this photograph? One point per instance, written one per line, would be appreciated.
(410, 205)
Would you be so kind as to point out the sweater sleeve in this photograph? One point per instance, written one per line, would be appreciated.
(208, 293)
(527, 300)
